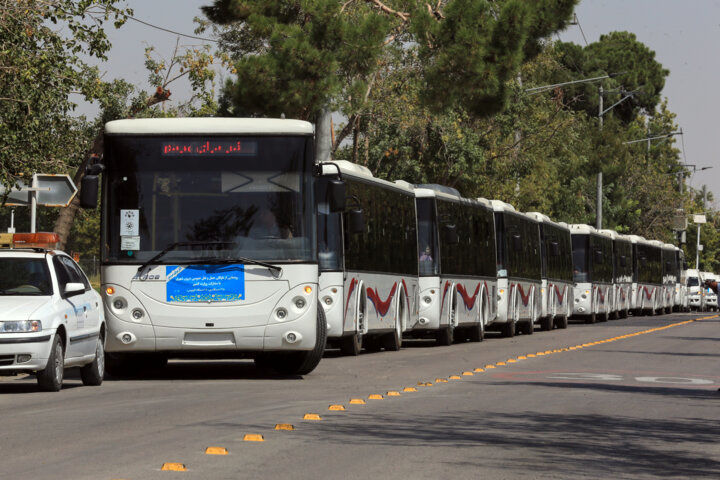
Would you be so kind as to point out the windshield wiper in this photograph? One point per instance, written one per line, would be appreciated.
(175, 245)
(221, 260)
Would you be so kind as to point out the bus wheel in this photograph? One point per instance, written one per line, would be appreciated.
(546, 323)
(351, 345)
(393, 340)
(592, 318)
(508, 330)
(561, 322)
(445, 336)
(299, 363)
(371, 343)
(605, 317)
(476, 333)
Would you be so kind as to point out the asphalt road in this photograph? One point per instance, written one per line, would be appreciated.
(642, 406)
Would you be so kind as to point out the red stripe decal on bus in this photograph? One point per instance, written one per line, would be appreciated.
(525, 298)
(353, 283)
(559, 296)
(447, 284)
(381, 306)
(467, 300)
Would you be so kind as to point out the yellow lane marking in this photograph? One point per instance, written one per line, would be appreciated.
(489, 366)
(216, 451)
(468, 374)
(336, 408)
(522, 357)
(312, 416)
(284, 426)
(501, 363)
(511, 360)
(174, 467)
(440, 380)
(357, 401)
(253, 437)
(479, 370)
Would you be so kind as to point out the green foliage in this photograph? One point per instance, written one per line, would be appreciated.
(614, 53)
(301, 57)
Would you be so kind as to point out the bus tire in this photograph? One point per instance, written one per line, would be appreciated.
(508, 330)
(592, 318)
(605, 317)
(392, 342)
(445, 336)
(351, 345)
(93, 373)
(371, 343)
(546, 324)
(561, 322)
(50, 379)
(527, 328)
(299, 363)
(476, 333)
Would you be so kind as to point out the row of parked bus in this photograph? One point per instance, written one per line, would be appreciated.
(421, 261)
(226, 237)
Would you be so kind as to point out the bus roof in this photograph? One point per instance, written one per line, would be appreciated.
(500, 206)
(582, 228)
(364, 173)
(208, 126)
(541, 217)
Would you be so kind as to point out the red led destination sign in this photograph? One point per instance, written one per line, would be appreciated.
(211, 148)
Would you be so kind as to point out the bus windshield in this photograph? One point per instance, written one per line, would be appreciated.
(427, 237)
(252, 192)
(580, 258)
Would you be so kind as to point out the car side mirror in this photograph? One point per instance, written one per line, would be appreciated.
(516, 243)
(450, 235)
(356, 221)
(73, 289)
(336, 195)
(554, 249)
(89, 188)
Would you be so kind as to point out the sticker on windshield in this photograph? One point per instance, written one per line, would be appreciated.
(130, 242)
(205, 283)
(129, 223)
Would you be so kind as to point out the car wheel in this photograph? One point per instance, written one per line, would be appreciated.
(50, 379)
(93, 373)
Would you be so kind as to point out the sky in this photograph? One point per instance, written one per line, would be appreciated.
(685, 35)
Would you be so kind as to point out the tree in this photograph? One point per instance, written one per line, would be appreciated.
(302, 57)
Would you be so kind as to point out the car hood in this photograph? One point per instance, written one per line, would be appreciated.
(20, 308)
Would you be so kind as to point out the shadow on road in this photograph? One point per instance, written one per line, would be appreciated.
(564, 446)
(206, 370)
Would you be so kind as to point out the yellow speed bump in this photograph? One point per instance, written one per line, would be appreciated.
(468, 374)
(284, 426)
(454, 377)
(253, 437)
(501, 363)
(409, 389)
(511, 360)
(489, 366)
(531, 355)
(393, 393)
(522, 357)
(336, 408)
(357, 401)
(173, 467)
(375, 396)
(216, 451)
(440, 380)
(312, 416)
(479, 370)
(426, 384)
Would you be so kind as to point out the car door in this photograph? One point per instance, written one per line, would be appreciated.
(70, 304)
(83, 341)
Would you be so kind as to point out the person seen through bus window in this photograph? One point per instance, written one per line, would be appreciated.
(265, 225)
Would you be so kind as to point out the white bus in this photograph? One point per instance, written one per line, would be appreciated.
(681, 297)
(621, 298)
(456, 257)
(671, 275)
(592, 273)
(647, 276)
(557, 290)
(209, 242)
(518, 270)
(695, 290)
(378, 262)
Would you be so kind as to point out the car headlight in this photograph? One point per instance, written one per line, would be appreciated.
(20, 326)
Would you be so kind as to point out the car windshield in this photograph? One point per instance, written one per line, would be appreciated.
(252, 193)
(24, 277)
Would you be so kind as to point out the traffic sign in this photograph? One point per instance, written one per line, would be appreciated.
(52, 191)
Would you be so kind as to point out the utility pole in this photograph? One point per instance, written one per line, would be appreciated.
(598, 199)
(697, 251)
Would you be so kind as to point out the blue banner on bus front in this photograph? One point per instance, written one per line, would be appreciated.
(205, 283)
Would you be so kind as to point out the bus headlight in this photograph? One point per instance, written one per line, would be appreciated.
(119, 304)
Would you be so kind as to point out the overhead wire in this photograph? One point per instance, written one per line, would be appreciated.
(130, 17)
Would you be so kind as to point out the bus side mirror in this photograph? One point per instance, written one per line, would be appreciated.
(89, 187)
(554, 249)
(356, 221)
(623, 261)
(643, 261)
(450, 235)
(516, 243)
(336, 195)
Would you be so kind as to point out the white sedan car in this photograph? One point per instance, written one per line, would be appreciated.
(50, 318)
